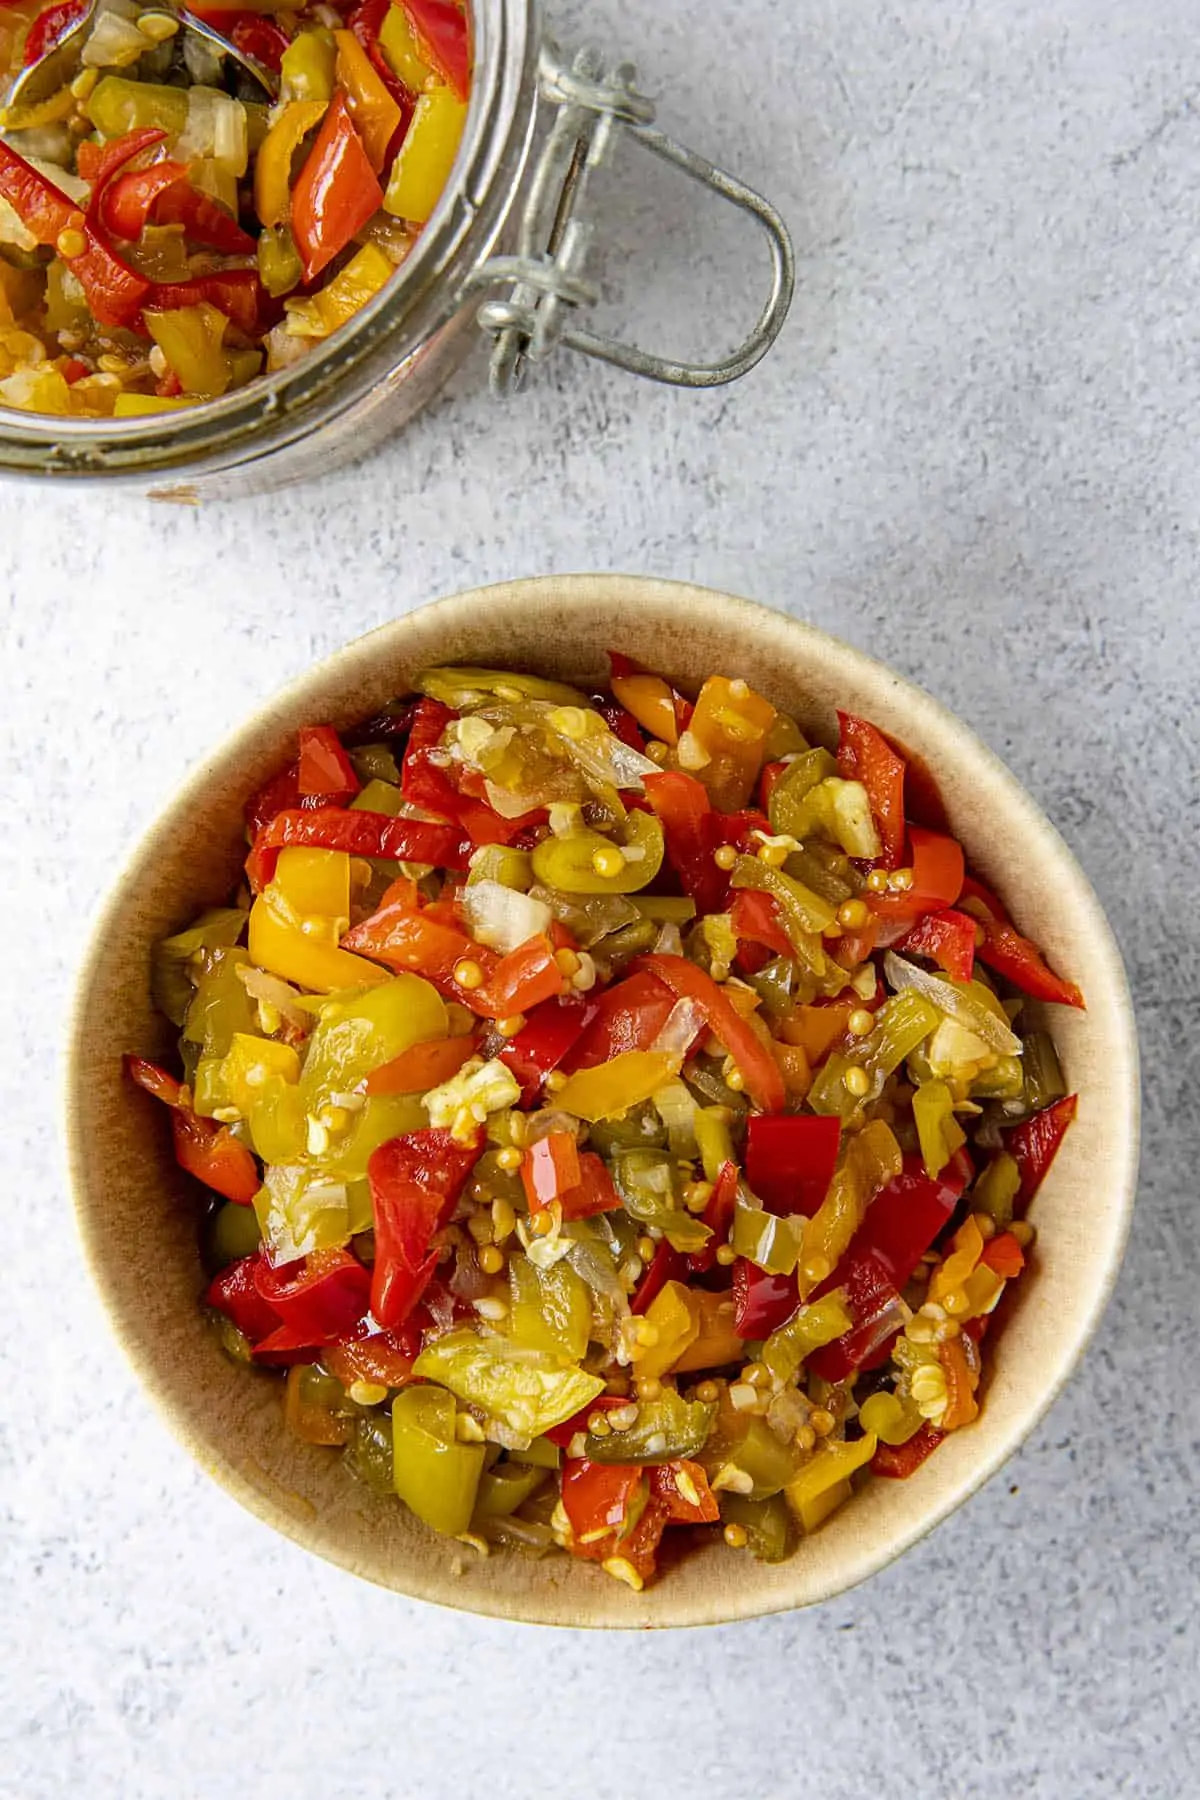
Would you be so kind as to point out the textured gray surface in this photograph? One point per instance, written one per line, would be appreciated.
(973, 454)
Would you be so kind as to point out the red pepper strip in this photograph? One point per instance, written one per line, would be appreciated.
(361, 834)
(552, 1032)
(203, 1148)
(422, 1067)
(759, 1069)
(127, 202)
(755, 920)
(114, 291)
(666, 1265)
(948, 937)
(562, 1434)
(1004, 1255)
(899, 1461)
(790, 1160)
(325, 769)
(762, 1302)
(426, 784)
(1035, 1144)
(854, 946)
(237, 293)
(627, 1016)
(234, 1292)
(693, 834)
(440, 29)
(900, 1224)
(549, 1168)
(415, 1183)
(1015, 957)
(403, 938)
(620, 666)
(319, 1299)
(718, 1216)
(923, 803)
(519, 981)
(280, 794)
(599, 1499)
(664, 1485)
(49, 26)
(204, 221)
(335, 193)
(162, 195)
(865, 755)
(594, 1193)
(938, 870)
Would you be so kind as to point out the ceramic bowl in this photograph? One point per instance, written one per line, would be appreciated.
(138, 1228)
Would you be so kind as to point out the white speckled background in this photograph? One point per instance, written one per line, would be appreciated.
(973, 454)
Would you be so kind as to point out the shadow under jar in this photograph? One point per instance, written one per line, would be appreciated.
(503, 252)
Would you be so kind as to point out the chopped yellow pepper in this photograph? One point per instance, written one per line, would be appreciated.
(952, 1272)
(273, 165)
(399, 45)
(307, 886)
(360, 280)
(939, 1132)
(829, 1470)
(716, 1342)
(728, 729)
(613, 1087)
(650, 700)
(375, 114)
(133, 406)
(191, 339)
(677, 1325)
(426, 157)
(306, 71)
(872, 1160)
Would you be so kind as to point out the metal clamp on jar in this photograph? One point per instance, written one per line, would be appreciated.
(506, 251)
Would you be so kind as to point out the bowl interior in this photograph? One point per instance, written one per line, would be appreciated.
(138, 1225)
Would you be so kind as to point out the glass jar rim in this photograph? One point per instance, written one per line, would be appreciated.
(404, 315)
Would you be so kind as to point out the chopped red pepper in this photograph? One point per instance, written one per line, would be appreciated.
(1015, 957)
(280, 794)
(238, 293)
(899, 1461)
(319, 1299)
(325, 770)
(900, 1224)
(947, 937)
(550, 1034)
(790, 1160)
(422, 1067)
(50, 25)
(693, 833)
(441, 31)
(248, 32)
(755, 919)
(162, 195)
(1004, 1255)
(404, 937)
(205, 1149)
(627, 1016)
(235, 1293)
(938, 869)
(664, 1485)
(520, 981)
(772, 774)
(593, 1193)
(549, 1168)
(415, 1184)
(762, 1302)
(865, 755)
(361, 834)
(336, 192)
(1035, 1142)
(667, 1264)
(718, 1216)
(427, 784)
(759, 1069)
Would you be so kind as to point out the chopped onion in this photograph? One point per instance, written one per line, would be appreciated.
(502, 917)
(202, 59)
(599, 752)
(509, 804)
(669, 942)
(955, 1002)
(277, 993)
(543, 1124)
(677, 1109)
(684, 1023)
(114, 42)
(216, 127)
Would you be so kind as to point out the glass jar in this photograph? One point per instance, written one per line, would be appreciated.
(504, 251)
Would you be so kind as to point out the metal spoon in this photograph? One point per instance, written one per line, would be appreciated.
(244, 75)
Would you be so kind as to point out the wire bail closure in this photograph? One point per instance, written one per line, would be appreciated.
(546, 275)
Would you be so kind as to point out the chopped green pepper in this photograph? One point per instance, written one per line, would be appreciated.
(527, 1389)
(171, 987)
(664, 1430)
(587, 862)
(767, 1524)
(435, 1475)
(550, 1309)
(807, 1330)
